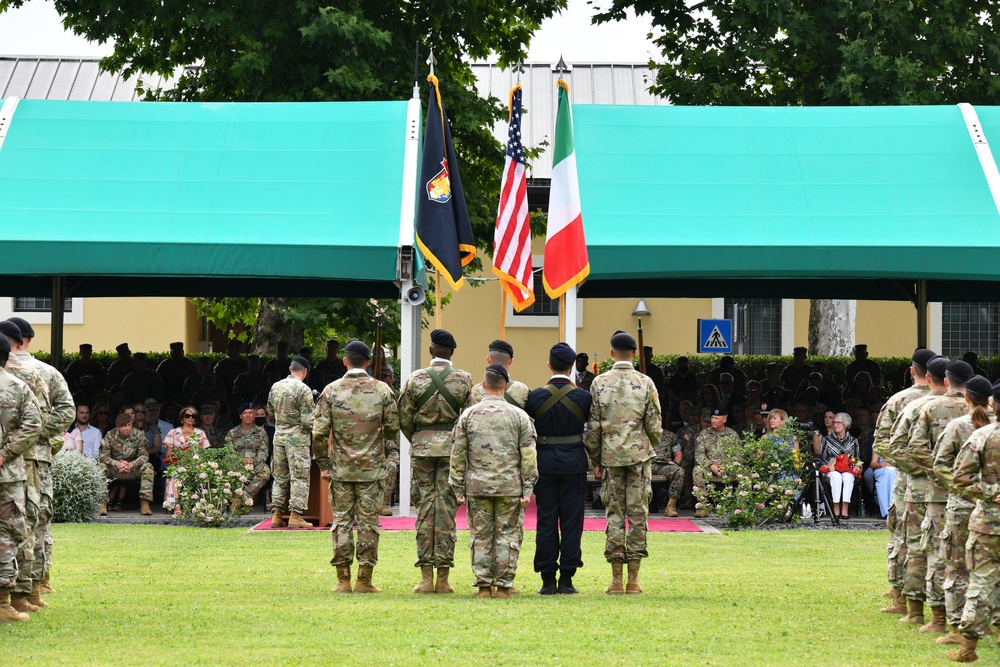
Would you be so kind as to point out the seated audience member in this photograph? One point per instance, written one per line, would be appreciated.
(709, 458)
(729, 396)
(123, 454)
(862, 364)
(771, 373)
(755, 392)
(192, 383)
(216, 437)
(775, 419)
(823, 425)
(82, 436)
(778, 396)
(142, 382)
(251, 386)
(179, 439)
(101, 418)
(728, 365)
(681, 386)
(710, 397)
(667, 462)
(261, 418)
(839, 443)
(858, 387)
(875, 399)
(738, 417)
(251, 443)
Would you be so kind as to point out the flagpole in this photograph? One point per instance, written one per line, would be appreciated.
(437, 298)
(503, 313)
(562, 318)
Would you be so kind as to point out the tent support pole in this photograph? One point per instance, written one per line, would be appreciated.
(411, 320)
(58, 296)
(921, 313)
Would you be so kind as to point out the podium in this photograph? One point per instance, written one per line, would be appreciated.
(318, 511)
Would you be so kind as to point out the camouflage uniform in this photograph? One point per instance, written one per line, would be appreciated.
(291, 403)
(429, 430)
(687, 437)
(116, 447)
(911, 447)
(977, 475)
(623, 428)
(356, 423)
(58, 412)
(895, 520)
(216, 436)
(663, 464)
(707, 452)
(253, 444)
(951, 543)
(391, 464)
(20, 429)
(494, 465)
(516, 394)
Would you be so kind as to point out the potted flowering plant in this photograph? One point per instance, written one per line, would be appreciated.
(207, 482)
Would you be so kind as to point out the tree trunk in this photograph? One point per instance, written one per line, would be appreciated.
(271, 327)
(831, 326)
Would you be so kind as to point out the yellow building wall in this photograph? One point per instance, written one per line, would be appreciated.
(889, 328)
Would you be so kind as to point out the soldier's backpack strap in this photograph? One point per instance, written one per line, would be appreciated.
(507, 397)
(437, 387)
(560, 395)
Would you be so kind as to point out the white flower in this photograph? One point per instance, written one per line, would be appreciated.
(195, 457)
(181, 471)
(227, 491)
(203, 475)
(194, 496)
(243, 479)
(213, 464)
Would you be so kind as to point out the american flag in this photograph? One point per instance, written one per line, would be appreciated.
(512, 237)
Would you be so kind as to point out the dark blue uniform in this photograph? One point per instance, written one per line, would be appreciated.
(562, 481)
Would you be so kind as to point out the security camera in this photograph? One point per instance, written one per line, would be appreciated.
(414, 296)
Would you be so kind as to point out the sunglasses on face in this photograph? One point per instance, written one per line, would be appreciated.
(187, 415)
(104, 412)
(140, 412)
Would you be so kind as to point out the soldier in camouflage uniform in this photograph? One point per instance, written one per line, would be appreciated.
(976, 474)
(251, 443)
(210, 425)
(493, 469)
(687, 436)
(125, 458)
(392, 453)
(291, 403)
(915, 574)
(58, 412)
(667, 462)
(356, 424)
(896, 519)
(20, 428)
(951, 545)
(623, 428)
(709, 462)
(501, 352)
(430, 403)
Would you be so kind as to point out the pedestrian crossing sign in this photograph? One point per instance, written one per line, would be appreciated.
(715, 336)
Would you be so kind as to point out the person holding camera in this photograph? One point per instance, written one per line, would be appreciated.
(838, 449)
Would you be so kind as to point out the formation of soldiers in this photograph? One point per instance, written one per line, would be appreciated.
(944, 548)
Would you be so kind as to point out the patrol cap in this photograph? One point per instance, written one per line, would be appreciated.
(152, 403)
(208, 409)
(861, 347)
(177, 346)
(387, 370)
(122, 419)
(979, 386)
(4, 345)
(923, 356)
(22, 324)
(244, 406)
(959, 370)
(502, 346)
(562, 353)
(621, 340)
(122, 349)
(499, 370)
(301, 361)
(9, 329)
(720, 411)
(706, 414)
(938, 366)
(443, 338)
(86, 347)
(803, 350)
(358, 348)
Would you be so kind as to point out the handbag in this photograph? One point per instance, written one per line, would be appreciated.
(842, 464)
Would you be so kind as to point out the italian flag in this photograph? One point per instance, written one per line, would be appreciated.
(565, 264)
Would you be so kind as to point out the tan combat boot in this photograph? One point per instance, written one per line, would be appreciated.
(385, 511)
(671, 510)
(898, 605)
(485, 593)
(7, 613)
(236, 504)
(276, 520)
(702, 513)
(633, 587)
(102, 509)
(442, 585)
(503, 593)
(35, 597)
(937, 625)
(889, 593)
(914, 612)
(426, 584)
(295, 520)
(46, 589)
(144, 509)
(343, 579)
(615, 587)
(364, 583)
(19, 601)
(965, 653)
(953, 637)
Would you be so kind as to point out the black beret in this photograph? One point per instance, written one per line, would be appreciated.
(244, 406)
(563, 353)
(996, 392)
(938, 366)
(177, 346)
(22, 324)
(5, 346)
(301, 361)
(979, 386)
(358, 348)
(959, 370)
(502, 346)
(499, 370)
(443, 338)
(720, 411)
(86, 347)
(923, 356)
(8, 328)
(621, 340)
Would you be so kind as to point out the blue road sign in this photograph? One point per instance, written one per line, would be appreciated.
(715, 336)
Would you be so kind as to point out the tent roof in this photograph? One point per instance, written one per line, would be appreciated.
(849, 202)
(225, 199)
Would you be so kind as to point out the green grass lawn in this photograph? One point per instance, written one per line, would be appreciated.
(149, 595)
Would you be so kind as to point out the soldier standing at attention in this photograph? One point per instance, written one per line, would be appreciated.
(430, 403)
(623, 428)
(501, 352)
(560, 410)
(58, 412)
(493, 469)
(895, 520)
(251, 443)
(21, 427)
(356, 425)
(291, 403)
